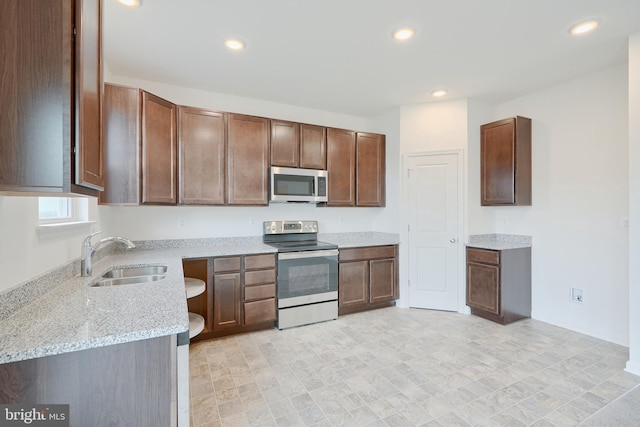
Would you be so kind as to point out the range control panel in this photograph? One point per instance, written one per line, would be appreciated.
(289, 227)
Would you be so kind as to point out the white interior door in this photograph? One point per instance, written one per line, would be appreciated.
(433, 231)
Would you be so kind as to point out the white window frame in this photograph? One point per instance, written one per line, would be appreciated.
(73, 211)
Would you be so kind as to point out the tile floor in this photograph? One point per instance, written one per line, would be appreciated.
(405, 367)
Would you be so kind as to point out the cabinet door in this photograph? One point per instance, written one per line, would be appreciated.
(121, 136)
(497, 153)
(201, 157)
(341, 167)
(226, 300)
(158, 150)
(35, 93)
(383, 285)
(247, 160)
(483, 287)
(313, 147)
(285, 142)
(88, 93)
(353, 283)
(370, 169)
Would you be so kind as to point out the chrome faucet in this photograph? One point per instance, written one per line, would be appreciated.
(87, 251)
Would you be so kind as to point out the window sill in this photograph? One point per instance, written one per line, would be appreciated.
(65, 225)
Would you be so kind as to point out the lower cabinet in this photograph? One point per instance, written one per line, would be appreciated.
(128, 384)
(499, 283)
(259, 289)
(240, 296)
(367, 278)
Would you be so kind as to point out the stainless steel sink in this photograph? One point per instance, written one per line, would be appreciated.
(135, 271)
(128, 275)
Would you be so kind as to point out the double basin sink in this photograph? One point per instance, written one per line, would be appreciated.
(126, 275)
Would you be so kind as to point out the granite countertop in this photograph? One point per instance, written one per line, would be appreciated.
(54, 314)
(499, 241)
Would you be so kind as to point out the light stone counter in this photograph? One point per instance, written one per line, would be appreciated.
(54, 314)
(360, 239)
(499, 241)
(58, 312)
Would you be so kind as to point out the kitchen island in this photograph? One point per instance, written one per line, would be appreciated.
(64, 341)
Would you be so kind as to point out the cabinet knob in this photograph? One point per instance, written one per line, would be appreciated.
(453, 240)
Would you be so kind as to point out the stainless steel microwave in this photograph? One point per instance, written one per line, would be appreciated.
(298, 185)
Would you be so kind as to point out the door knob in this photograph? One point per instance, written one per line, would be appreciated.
(453, 240)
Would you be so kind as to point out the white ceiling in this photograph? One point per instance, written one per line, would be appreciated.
(338, 55)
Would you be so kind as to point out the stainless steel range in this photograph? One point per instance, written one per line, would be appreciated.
(307, 273)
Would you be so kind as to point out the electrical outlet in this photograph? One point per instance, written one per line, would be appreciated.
(576, 294)
(181, 222)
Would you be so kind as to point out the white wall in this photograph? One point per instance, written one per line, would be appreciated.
(479, 219)
(634, 204)
(580, 194)
(25, 251)
(172, 222)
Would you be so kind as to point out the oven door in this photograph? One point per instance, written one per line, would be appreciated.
(307, 277)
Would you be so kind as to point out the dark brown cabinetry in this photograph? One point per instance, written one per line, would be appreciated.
(298, 145)
(368, 278)
(138, 377)
(370, 169)
(159, 151)
(247, 160)
(313, 147)
(341, 167)
(356, 165)
(227, 292)
(499, 283)
(259, 289)
(140, 148)
(51, 96)
(121, 134)
(240, 293)
(505, 160)
(201, 157)
(285, 144)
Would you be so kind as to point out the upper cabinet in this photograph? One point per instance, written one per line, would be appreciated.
(51, 95)
(201, 157)
(159, 151)
(247, 160)
(285, 144)
(356, 166)
(505, 161)
(370, 169)
(341, 167)
(140, 148)
(313, 147)
(298, 145)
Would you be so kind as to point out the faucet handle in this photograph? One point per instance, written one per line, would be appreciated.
(87, 240)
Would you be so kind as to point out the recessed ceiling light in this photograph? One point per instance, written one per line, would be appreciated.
(438, 93)
(130, 3)
(583, 27)
(402, 34)
(234, 44)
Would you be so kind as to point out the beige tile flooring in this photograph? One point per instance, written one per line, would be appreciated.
(405, 367)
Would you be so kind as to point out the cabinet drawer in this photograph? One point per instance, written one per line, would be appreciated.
(259, 311)
(259, 292)
(254, 262)
(226, 264)
(483, 255)
(259, 277)
(370, 252)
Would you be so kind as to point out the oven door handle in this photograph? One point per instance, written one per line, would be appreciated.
(307, 254)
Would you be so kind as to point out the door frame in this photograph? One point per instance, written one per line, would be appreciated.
(461, 232)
